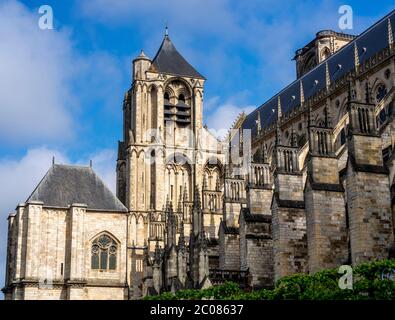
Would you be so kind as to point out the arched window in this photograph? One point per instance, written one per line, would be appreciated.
(166, 97)
(104, 253)
(342, 136)
(325, 53)
(381, 92)
(181, 99)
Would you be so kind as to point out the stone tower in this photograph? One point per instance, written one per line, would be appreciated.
(325, 44)
(165, 152)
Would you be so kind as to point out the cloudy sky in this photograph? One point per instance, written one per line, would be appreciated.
(61, 90)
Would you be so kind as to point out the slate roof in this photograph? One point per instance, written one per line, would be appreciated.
(64, 185)
(169, 60)
(370, 42)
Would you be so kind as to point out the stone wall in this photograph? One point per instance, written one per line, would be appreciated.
(229, 248)
(53, 253)
(289, 240)
(326, 229)
(259, 200)
(369, 208)
(256, 249)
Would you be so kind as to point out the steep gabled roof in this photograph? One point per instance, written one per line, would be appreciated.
(169, 60)
(64, 185)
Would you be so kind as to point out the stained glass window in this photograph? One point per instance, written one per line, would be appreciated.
(381, 92)
(104, 253)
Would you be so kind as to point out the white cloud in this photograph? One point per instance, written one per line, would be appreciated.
(46, 83)
(103, 163)
(210, 16)
(221, 117)
(36, 67)
(19, 177)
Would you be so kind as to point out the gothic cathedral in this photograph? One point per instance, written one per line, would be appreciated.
(302, 183)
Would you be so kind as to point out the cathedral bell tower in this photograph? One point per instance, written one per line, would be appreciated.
(156, 159)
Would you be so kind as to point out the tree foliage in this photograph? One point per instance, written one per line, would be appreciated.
(372, 280)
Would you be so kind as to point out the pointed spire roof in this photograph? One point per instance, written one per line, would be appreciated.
(169, 60)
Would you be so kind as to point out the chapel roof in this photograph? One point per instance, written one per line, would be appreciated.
(64, 185)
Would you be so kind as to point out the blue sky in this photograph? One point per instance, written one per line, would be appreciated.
(61, 90)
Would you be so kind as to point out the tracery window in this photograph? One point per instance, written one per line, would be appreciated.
(104, 253)
(381, 92)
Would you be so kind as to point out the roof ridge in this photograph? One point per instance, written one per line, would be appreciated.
(73, 165)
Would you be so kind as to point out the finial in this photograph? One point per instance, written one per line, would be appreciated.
(258, 122)
(327, 76)
(301, 93)
(196, 198)
(166, 30)
(356, 57)
(390, 35)
(53, 160)
(278, 127)
(90, 163)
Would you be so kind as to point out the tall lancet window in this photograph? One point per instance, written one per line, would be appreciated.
(104, 253)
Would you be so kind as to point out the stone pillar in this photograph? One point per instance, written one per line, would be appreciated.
(76, 253)
(32, 244)
(289, 225)
(368, 190)
(11, 258)
(256, 248)
(229, 241)
(21, 220)
(182, 267)
(229, 247)
(325, 207)
(368, 200)
(157, 269)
